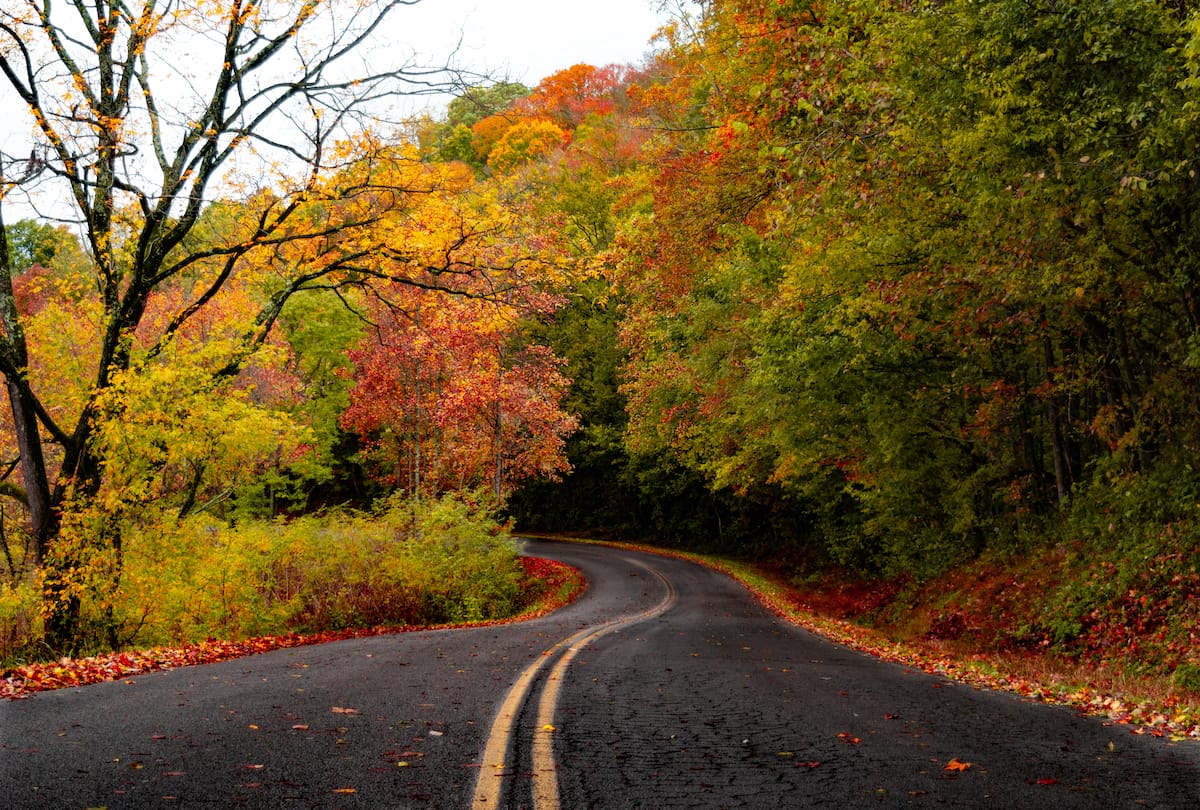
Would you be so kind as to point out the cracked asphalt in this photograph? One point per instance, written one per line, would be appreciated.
(720, 704)
(713, 703)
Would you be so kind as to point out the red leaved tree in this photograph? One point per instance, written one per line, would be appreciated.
(448, 397)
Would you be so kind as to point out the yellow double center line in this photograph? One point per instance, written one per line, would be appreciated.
(496, 753)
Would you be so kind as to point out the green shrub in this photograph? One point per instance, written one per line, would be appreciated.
(405, 563)
(20, 618)
(1187, 677)
(1128, 589)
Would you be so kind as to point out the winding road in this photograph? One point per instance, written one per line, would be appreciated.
(664, 686)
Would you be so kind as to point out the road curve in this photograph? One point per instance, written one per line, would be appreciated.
(664, 686)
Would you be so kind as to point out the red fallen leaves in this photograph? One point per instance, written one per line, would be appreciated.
(559, 585)
(29, 678)
(849, 738)
(555, 584)
(957, 765)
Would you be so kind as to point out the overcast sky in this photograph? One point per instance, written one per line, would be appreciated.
(530, 39)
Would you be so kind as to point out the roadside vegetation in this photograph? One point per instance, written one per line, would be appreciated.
(406, 563)
(446, 567)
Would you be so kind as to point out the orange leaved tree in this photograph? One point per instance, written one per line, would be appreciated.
(451, 397)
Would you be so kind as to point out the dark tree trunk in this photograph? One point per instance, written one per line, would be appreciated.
(43, 522)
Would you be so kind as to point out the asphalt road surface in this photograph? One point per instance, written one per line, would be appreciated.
(665, 686)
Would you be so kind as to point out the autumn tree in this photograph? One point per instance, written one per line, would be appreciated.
(454, 137)
(144, 112)
(567, 97)
(452, 398)
(927, 268)
(451, 393)
(523, 142)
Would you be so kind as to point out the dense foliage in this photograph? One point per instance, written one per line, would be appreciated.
(405, 563)
(920, 275)
(888, 285)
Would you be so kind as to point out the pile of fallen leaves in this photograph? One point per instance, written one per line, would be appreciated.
(550, 585)
(27, 678)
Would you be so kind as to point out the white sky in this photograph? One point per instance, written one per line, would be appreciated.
(530, 39)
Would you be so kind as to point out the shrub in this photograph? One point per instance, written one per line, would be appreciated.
(406, 563)
(20, 618)
(1130, 591)
(1187, 677)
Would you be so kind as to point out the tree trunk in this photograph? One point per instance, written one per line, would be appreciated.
(43, 522)
(1054, 417)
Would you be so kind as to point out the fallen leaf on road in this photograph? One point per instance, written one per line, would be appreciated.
(808, 764)
(340, 710)
(956, 765)
(844, 737)
(345, 790)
